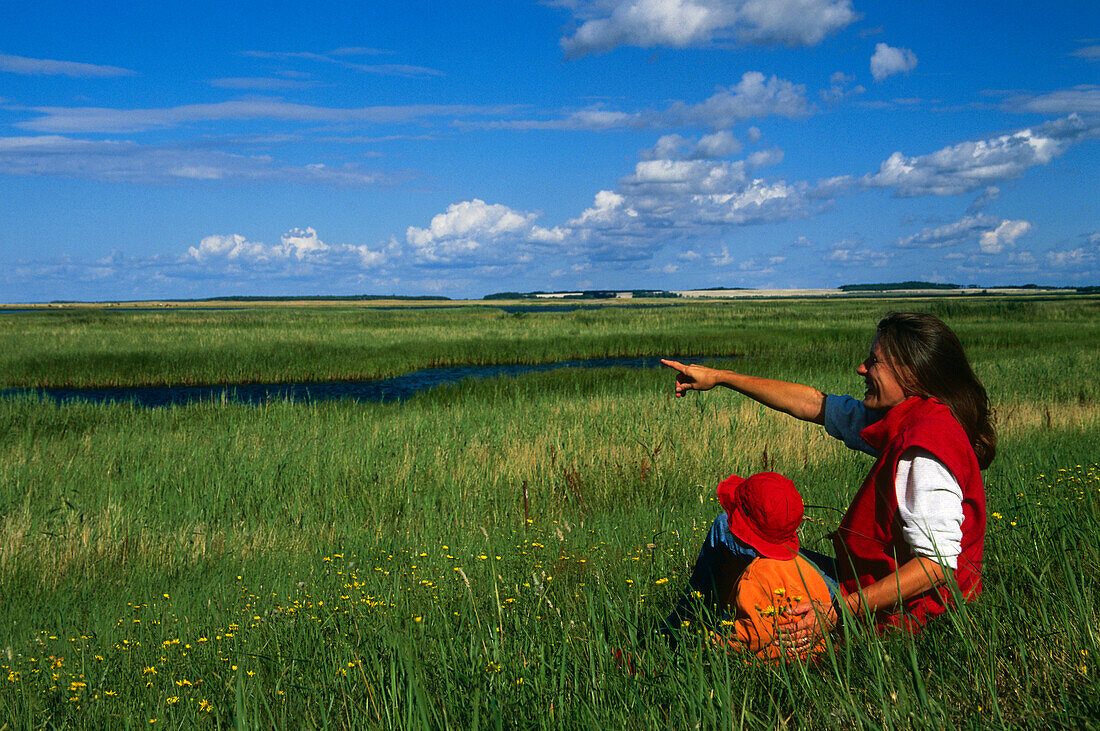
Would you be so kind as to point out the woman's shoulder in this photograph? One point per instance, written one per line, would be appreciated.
(929, 416)
(931, 426)
(846, 418)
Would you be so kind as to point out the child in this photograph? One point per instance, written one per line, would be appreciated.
(750, 567)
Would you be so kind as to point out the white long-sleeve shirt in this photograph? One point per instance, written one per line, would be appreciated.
(929, 497)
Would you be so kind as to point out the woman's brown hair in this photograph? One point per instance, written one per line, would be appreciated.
(929, 361)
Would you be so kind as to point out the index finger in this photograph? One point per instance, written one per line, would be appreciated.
(676, 365)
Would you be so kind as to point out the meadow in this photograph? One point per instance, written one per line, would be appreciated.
(473, 557)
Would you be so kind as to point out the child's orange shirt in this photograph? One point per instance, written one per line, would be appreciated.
(764, 594)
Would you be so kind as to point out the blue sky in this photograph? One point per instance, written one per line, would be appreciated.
(463, 148)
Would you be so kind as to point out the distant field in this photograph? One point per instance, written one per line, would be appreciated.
(369, 565)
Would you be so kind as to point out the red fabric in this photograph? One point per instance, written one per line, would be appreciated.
(764, 511)
(869, 542)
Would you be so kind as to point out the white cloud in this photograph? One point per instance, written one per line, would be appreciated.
(668, 147)
(850, 253)
(717, 145)
(339, 58)
(700, 185)
(759, 201)
(888, 61)
(649, 23)
(1006, 234)
(606, 211)
(1090, 53)
(951, 234)
(676, 193)
(754, 96)
(298, 250)
(765, 158)
(130, 162)
(46, 67)
(262, 83)
(1084, 99)
(1081, 262)
(840, 87)
(235, 249)
(708, 147)
(230, 247)
(723, 259)
(793, 22)
(994, 235)
(967, 166)
(70, 120)
(660, 177)
(476, 232)
(987, 196)
(588, 120)
(1075, 259)
(684, 23)
(462, 219)
(358, 51)
(756, 266)
(301, 243)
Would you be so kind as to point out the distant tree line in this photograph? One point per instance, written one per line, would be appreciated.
(318, 298)
(589, 294)
(888, 286)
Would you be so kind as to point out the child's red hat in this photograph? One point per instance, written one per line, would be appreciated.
(764, 511)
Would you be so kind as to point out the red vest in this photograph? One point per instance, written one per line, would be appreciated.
(870, 544)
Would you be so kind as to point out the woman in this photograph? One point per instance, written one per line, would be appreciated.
(919, 518)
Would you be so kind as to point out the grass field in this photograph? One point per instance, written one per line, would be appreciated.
(367, 565)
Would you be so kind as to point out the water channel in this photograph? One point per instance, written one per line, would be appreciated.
(385, 390)
(536, 309)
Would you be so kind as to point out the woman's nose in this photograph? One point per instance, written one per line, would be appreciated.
(861, 369)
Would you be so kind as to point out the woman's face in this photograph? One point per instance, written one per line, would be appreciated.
(884, 390)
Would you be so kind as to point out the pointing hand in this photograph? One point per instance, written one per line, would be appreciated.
(692, 377)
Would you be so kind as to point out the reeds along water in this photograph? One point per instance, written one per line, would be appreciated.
(365, 565)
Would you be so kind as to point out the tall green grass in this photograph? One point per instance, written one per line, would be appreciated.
(108, 347)
(377, 566)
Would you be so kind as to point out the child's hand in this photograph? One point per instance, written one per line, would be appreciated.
(811, 622)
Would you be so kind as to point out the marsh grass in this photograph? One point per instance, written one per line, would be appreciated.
(368, 565)
(106, 347)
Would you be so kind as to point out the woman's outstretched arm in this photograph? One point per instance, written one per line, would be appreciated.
(801, 402)
(915, 576)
